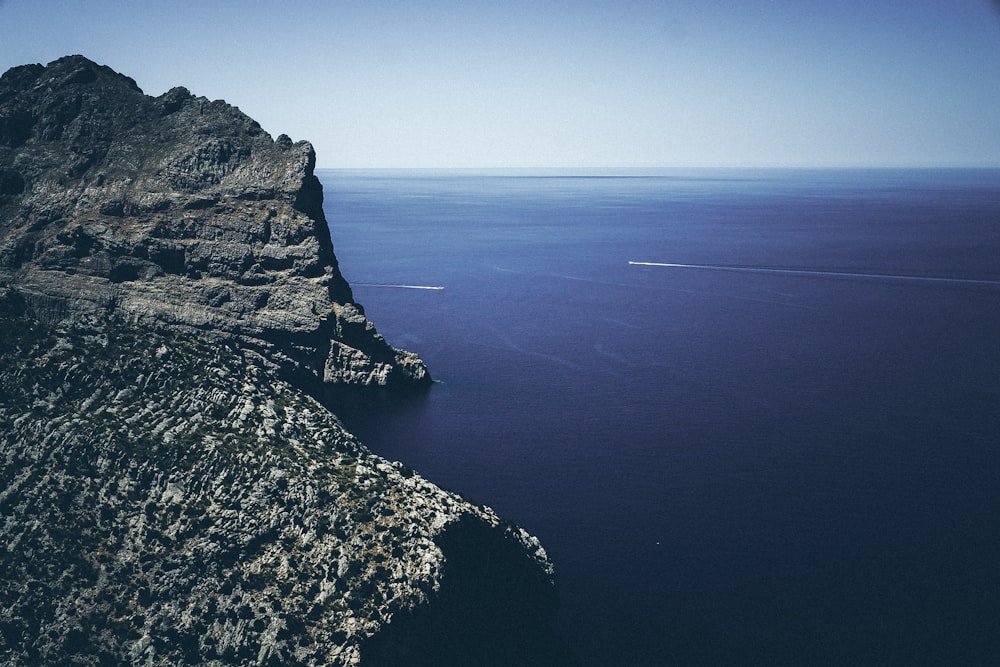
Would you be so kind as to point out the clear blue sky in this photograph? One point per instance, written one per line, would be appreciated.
(379, 83)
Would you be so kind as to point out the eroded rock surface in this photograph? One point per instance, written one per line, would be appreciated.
(180, 211)
(169, 491)
(166, 501)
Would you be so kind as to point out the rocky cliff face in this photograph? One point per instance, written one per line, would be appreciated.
(175, 211)
(169, 494)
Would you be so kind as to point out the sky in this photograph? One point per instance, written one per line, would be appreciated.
(622, 83)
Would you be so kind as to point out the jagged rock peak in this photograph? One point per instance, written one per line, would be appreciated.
(175, 211)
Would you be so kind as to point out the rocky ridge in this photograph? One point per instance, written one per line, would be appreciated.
(170, 491)
(176, 211)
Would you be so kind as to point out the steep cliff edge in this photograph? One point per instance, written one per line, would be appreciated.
(180, 211)
(169, 493)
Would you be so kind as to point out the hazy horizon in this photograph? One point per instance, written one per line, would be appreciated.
(564, 85)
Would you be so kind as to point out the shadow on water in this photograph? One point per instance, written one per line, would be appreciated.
(496, 607)
(363, 410)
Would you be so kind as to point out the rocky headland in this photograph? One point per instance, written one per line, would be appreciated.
(171, 490)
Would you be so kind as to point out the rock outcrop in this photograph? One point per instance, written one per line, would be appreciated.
(179, 211)
(170, 492)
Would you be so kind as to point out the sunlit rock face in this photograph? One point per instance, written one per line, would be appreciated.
(170, 491)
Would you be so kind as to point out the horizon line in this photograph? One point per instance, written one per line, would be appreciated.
(887, 167)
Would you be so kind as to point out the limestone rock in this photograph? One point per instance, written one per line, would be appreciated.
(171, 493)
(179, 211)
(165, 501)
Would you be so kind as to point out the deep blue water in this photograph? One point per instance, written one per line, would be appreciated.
(727, 467)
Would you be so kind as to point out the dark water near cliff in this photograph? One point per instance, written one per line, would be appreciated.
(727, 467)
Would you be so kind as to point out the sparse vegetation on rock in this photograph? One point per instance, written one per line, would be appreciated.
(170, 491)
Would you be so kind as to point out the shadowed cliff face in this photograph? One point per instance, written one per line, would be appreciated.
(180, 211)
(171, 493)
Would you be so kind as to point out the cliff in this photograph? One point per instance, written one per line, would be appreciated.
(176, 211)
(170, 492)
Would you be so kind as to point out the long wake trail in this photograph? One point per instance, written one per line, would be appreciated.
(429, 287)
(826, 274)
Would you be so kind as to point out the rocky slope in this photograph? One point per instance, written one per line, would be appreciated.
(170, 493)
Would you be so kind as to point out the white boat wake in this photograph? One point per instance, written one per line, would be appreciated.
(430, 287)
(827, 274)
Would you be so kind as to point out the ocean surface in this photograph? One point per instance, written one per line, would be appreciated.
(785, 451)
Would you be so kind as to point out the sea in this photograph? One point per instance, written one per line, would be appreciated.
(752, 415)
